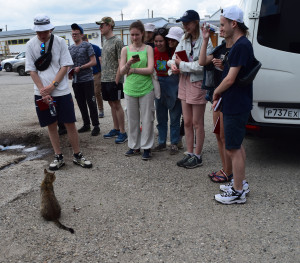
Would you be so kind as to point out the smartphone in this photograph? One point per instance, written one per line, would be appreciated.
(136, 56)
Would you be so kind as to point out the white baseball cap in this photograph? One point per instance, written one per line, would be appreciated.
(234, 13)
(175, 32)
(42, 23)
(149, 27)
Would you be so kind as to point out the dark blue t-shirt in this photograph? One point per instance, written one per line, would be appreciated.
(97, 51)
(237, 99)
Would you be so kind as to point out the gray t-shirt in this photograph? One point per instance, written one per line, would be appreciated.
(81, 55)
(111, 53)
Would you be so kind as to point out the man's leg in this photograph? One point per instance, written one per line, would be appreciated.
(73, 136)
(91, 102)
(54, 137)
(81, 101)
(118, 114)
(98, 93)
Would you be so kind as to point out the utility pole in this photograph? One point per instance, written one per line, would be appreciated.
(152, 13)
(122, 33)
(148, 13)
(122, 15)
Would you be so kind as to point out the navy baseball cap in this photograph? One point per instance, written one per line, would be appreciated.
(77, 27)
(188, 16)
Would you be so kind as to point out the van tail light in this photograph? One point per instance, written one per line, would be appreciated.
(252, 127)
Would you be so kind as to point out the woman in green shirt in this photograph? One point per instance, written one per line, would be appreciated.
(138, 63)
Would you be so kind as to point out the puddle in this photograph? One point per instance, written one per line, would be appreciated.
(11, 147)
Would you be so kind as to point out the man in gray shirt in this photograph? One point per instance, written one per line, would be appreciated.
(84, 58)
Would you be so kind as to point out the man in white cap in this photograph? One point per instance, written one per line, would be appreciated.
(236, 101)
(149, 34)
(51, 87)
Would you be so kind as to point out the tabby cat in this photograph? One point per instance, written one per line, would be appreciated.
(50, 208)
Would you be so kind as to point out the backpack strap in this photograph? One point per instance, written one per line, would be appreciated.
(50, 44)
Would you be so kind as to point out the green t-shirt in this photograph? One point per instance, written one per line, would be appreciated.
(137, 85)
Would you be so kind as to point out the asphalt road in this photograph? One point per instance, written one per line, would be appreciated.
(129, 210)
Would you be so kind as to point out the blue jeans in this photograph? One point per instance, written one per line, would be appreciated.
(168, 86)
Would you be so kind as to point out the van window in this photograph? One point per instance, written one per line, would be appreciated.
(278, 25)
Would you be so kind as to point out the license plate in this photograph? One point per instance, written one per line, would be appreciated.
(282, 113)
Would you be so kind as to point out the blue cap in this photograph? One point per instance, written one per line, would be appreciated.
(188, 16)
(77, 27)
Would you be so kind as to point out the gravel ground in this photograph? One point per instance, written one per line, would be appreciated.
(129, 210)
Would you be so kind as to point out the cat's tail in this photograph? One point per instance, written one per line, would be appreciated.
(60, 225)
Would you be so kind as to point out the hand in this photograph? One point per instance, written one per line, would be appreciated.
(76, 69)
(216, 97)
(133, 60)
(205, 31)
(130, 71)
(177, 60)
(218, 63)
(46, 99)
(174, 69)
(47, 90)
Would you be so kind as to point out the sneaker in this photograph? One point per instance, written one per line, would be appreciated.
(173, 149)
(101, 114)
(84, 128)
(159, 148)
(184, 160)
(80, 160)
(180, 144)
(112, 133)
(122, 137)
(231, 197)
(193, 162)
(132, 152)
(57, 163)
(95, 131)
(146, 155)
(226, 187)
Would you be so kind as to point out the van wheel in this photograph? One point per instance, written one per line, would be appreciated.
(8, 67)
(21, 71)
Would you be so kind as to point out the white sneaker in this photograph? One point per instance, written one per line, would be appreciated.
(226, 187)
(57, 163)
(80, 160)
(231, 197)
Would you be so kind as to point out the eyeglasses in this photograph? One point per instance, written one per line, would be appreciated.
(43, 48)
(102, 25)
(75, 34)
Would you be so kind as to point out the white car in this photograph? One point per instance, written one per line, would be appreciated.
(8, 63)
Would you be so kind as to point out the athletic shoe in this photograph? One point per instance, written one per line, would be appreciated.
(193, 162)
(101, 114)
(184, 160)
(84, 128)
(159, 148)
(80, 160)
(173, 149)
(231, 197)
(95, 131)
(122, 137)
(180, 144)
(132, 152)
(146, 155)
(112, 133)
(57, 163)
(226, 187)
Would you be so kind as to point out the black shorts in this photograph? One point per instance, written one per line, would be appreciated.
(65, 112)
(111, 91)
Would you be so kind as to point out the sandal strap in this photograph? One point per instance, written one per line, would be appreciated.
(225, 175)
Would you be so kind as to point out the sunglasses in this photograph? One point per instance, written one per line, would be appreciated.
(102, 25)
(43, 48)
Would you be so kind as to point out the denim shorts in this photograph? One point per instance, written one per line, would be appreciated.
(65, 112)
(235, 129)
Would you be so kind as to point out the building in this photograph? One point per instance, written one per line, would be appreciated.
(13, 42)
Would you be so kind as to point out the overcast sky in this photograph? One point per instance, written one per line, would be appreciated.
(19, 14)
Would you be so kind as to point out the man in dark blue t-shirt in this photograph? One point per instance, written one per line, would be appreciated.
(237, 102)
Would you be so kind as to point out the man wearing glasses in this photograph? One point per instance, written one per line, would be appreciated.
(111, 80)
(83, 56)
(51, 85)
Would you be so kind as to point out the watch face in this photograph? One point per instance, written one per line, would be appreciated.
(55, 84)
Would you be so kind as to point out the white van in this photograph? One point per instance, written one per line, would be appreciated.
(274, 33)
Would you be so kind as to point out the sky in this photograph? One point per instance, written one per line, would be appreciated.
(19, 14)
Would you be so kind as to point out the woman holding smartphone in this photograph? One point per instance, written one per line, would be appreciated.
(137, 63)
(190, 93)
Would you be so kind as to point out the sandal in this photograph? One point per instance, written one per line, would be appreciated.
(221, 178)
(214, 174)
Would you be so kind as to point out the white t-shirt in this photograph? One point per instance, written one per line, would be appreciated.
(60, 58)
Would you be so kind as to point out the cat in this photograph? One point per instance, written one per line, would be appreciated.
(50, 208)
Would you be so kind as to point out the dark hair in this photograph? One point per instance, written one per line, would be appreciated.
(139, 26)
(241, 26)
(163, 32)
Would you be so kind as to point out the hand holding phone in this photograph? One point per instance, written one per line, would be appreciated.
(136, 56)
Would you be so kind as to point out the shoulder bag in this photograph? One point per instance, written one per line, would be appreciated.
(43, 62)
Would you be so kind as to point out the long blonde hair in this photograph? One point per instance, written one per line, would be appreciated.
(188, 35)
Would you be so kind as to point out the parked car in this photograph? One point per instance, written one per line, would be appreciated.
(19, 67)
(8, 63)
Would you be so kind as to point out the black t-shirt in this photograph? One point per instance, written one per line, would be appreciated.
(237, 99)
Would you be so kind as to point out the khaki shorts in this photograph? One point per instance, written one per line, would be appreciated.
(191, 92)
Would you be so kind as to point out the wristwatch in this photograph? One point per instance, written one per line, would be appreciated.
(55, 84)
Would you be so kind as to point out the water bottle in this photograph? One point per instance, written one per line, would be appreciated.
(52, 108)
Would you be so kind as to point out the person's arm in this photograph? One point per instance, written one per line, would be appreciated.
(91, 63)
(150, 64)
(226, 83)
(204, 59)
